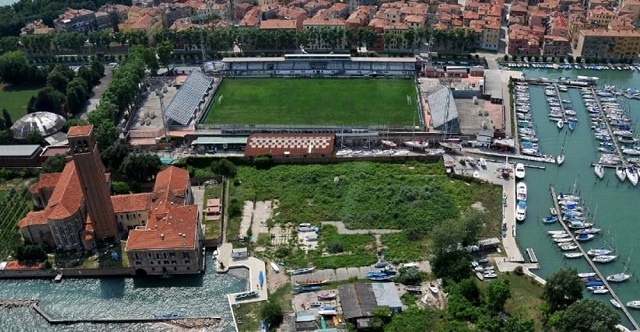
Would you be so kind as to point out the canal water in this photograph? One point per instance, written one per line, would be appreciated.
(201, 295)
(616, 204)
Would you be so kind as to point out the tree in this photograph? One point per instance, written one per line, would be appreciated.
(224, 167)
(498, 293)
(31, 252)
(106, 134)
(73, 122)
(414, 319)
(519, 324)
(271, 313)
(164, 53)
(336, 247)
(57, 80)
(54, 164)
(33, 137)
(120, 188)
(97, 67)
(562, 289)
(12, 65)
(410, 276)
(588, 315)
(48, 100)
(7, 118)
(140, 167)
(113, 156)
(468, 288)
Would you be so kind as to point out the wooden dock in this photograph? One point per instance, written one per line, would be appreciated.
(613, 137)
(564, 115)
(532, 255)
(624, 309)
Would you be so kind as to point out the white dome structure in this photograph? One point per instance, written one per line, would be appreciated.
(46, 123)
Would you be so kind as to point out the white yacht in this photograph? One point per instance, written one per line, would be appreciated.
(520, 171)
(599, 169)
(521, 191)
(521, 211)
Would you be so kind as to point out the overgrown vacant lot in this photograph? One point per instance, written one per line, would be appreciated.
(369, 195)
(314, 101)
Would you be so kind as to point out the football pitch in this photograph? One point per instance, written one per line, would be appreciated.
(323, 101)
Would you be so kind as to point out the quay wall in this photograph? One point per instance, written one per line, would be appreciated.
(67, 273)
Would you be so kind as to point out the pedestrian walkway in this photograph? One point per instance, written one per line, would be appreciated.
(255, 267)
(509, 214)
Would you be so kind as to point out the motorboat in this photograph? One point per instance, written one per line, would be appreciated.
(245, 295)
(490, 275)
(572, 125)
(560, 236)
(585, 237)
(549, 220)
(560, 124)
(600, 291)
(592, 288)
(483, 163)
(615, 303)
(604, 258)
(521, 211)
(621, 173)
(599, 251)
(619, 277)
(301, 271)
(633, 304)
(417, 144)
(556, 232)
(567, 246)
(562, 240)
(480, 276)
(311, 282)
(275, 267)
(553, 211)
(632, 175)
(568, 197)
(520, 171)
(433, 288)
(599, 170)
(590, 230)
(586, 274)
(388, 144)
(573, 255)
(521, 191)
(327, 295)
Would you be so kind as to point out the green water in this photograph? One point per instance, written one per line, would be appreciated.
(200, 295)
(613, 202)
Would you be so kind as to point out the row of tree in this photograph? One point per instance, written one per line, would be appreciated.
(223, 39)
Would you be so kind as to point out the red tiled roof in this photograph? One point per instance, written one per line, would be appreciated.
(33, 218)
(67, 197)
(131, 203)
(171, 179)
(80, 130)
(47, 180)
(278, 24)
(174, 230)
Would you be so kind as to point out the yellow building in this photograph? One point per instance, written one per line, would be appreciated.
(601, 43)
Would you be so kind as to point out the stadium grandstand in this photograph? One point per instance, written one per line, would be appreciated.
(318, 65)
(189, 99)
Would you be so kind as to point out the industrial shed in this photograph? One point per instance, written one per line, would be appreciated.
(358, 301)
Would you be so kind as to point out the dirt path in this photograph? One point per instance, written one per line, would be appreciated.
(342, 229)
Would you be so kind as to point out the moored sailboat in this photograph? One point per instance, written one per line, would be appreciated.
(632, 175)
(599, 170)
(621, 173)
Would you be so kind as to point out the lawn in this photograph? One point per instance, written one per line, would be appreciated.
(314, 102)
(212, 227)
(16, 100)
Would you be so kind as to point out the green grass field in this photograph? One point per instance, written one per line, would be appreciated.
(15, 100)
(314, 102)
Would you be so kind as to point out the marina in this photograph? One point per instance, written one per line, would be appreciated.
(601, 277)
(532, 255)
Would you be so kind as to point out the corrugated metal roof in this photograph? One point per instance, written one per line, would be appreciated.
(442, 107)
(221, 140)
(186, 100)
(18, 150)
(357, 300)
(386, 294)
(493, 83)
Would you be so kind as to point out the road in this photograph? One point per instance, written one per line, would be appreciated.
(97, 93)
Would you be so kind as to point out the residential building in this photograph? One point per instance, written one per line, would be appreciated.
(75, 20)
(556, 46)
(251, 19)
(279, 25)
(36, 28)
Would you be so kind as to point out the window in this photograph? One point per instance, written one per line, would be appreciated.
(166, 262)
(172, 254)
(151, 262)
(187, 262)
(185, 254)
(157, 255)
(174, 262)
(136, 256)
(149, 255)
(164, 255)
(137, 262)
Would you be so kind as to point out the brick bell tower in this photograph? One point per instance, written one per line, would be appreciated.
(95, 189)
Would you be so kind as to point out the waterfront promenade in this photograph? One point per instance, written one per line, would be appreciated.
(509, 219)
(624, 309)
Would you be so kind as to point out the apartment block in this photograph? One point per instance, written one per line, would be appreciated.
(75, 20)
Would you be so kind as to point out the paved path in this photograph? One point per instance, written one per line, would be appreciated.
(509, 218)
(254, 266)
(342, 229)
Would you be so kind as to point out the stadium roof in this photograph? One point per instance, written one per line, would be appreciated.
(289, 144)
(18, 150)
(440, 110)
(493, 83)
(186, 101)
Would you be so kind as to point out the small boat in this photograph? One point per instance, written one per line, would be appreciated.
(520, 171)
(633, 304)
(559, 236)
(480, 276)
(521, 211)
(327, 295)
(433, 288)
(593, 283)
(604, 258)
(573, 255)
(592, 288)
(301, 271)
(585, 237)
(562, 240)
(599, 252)
(388, 144)
(553, 211)
(312, 282)
(305, 288)
(556, 232)
(413, 289)
(490, 275)
(615, 303)
(58, 278)
(567, 246)
(275, 267)
(327, 312)
(572, 125)
(215, 254)
(586, 274)
(560, 159)
(246, 295)
(568, 197)
(621, 173)
(521, 191)
(380, 265)
(170, 315)
(600, 291)
(619, 277)
(588, 231)
(599, 170)
(560, 124)
(417, 144)
(549, 219)
(380, 277)
(632, 175)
